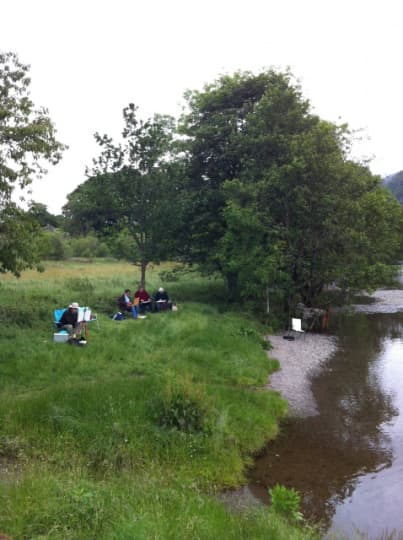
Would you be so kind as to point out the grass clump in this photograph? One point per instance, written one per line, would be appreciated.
(287, 502)
(184, 406)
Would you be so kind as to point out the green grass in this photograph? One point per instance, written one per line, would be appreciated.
(87, 447)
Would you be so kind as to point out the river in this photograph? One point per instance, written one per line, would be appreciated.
(347, 460)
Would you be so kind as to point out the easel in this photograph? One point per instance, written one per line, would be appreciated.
(83, 325)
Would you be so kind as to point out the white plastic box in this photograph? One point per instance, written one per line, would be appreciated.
(60, 337)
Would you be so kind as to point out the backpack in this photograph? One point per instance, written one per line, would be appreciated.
(118, 316)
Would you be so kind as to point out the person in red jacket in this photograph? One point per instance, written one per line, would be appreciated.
(144, 299)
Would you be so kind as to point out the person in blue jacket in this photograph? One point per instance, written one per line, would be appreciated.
(126, 305)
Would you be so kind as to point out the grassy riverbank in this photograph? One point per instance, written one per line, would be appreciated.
(133, 435)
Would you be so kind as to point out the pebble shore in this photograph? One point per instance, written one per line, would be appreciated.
(299, 360)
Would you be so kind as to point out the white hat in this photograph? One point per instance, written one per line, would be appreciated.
(74, 305)
(161, 289)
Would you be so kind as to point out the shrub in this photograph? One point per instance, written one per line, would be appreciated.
(89, 246)
(287, 502)
(184, 406)
(54, 245)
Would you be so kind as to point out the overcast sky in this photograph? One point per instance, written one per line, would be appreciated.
(90, 58)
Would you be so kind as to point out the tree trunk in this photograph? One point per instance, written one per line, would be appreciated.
(143, 268)
(232, 285)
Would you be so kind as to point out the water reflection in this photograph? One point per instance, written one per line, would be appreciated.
(353, 444)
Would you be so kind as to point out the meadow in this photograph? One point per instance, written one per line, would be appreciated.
(135, 435)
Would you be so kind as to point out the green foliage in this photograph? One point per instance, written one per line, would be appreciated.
(123, 246)
(57, 245)
(27, 141)
(272, 201)
(286, 502)
(91, 207)
(395, 184)
(40, 213)
(54, 245)
(184, 406)
(19, 239)
(66, 505)
(88, 246)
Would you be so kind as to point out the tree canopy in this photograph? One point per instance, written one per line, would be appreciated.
(274, 199)
(27, 143)
(133, 187)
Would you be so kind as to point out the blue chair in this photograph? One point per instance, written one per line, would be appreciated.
(57, 315)
(59, 336)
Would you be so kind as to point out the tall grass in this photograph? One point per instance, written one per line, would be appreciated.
(132, 435)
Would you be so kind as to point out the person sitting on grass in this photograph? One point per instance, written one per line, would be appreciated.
(161, 300)
(68, 321)
(144, 300)
(126, 305)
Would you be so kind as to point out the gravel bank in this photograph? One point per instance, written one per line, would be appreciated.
(299, 360)
(383, 301)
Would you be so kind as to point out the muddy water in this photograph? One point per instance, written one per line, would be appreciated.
(347, 461)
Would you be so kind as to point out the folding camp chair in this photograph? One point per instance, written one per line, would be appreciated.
(296, 326)
(57, 315)
(59, 336)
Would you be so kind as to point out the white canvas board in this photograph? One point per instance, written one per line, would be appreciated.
(84, 314)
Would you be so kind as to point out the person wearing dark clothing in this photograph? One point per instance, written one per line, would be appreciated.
(161, 300)
(68, 321)
(144, 299)
(126, 305)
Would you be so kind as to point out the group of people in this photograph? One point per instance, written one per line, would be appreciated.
(142, 303)
(138, 305)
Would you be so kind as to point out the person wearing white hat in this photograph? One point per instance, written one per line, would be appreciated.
(161, 300)
(68, 320)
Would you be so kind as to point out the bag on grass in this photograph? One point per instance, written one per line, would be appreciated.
(118, 316)
(79, 342)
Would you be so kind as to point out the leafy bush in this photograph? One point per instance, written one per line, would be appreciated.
(54, 245)
(123, 246)
(89, 246)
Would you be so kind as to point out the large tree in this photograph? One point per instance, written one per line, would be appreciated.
(133, 187)
(91, 208)
(274, 200)
(44, 218)
(235, 129)
(27, 143)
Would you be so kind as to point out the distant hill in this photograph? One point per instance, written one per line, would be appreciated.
(395, 183)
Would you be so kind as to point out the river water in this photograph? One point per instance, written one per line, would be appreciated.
(347, 461)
